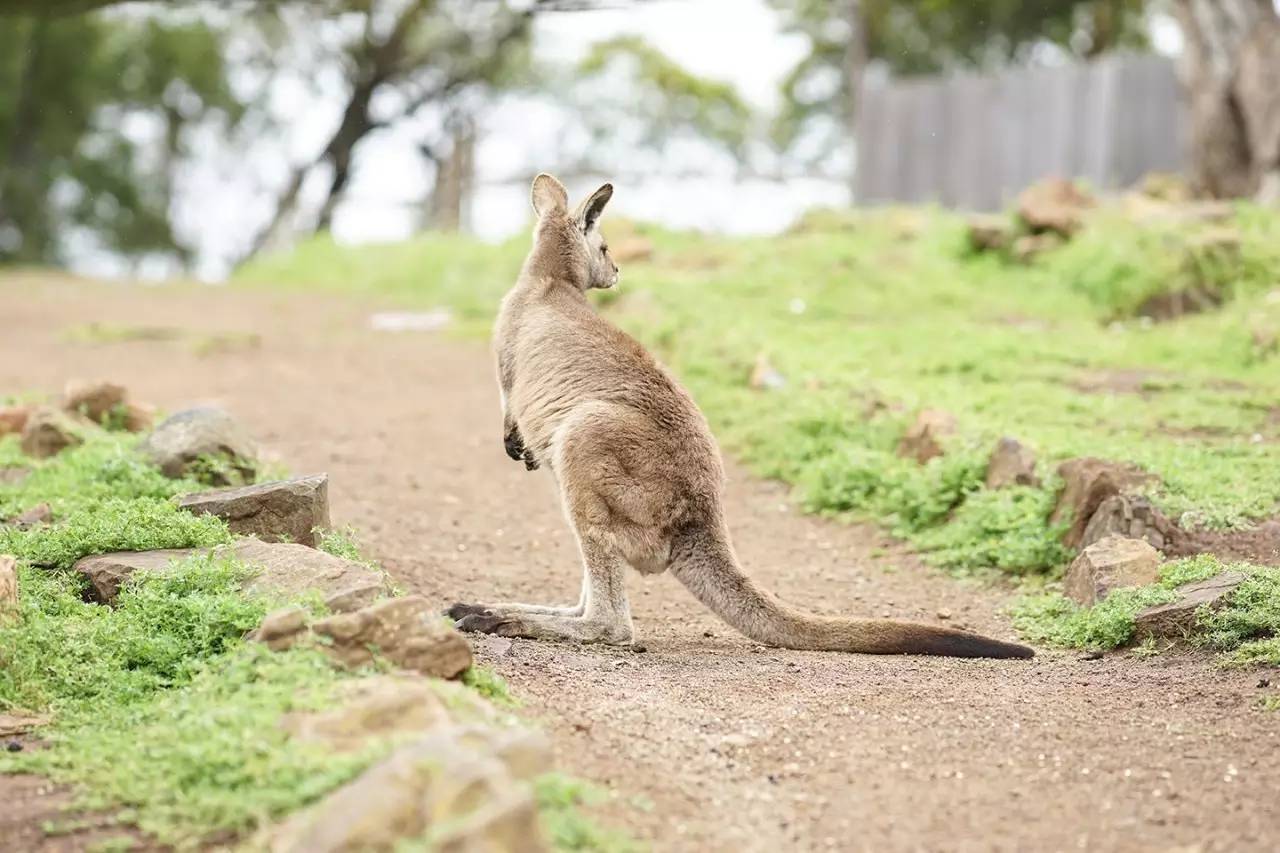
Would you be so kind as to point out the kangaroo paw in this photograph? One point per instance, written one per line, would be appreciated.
(513, 442)
(487, 623)
(458, 610)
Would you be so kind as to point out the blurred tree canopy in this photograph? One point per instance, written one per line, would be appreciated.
(94, 117)
(928, 36)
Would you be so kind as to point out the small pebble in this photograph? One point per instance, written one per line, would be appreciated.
(1092, 654)
(944, 613)
(1264, 682)
(640, 648)
(14, 746)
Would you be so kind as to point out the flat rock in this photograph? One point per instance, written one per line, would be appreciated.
(41, 513)
(376, 707)
(285, 569)
(1012, 463)
(1177, 620)
(1109, 564)
(1131, 517)
(48, 432)
(204, 432)
(989, 232)
(1087, 482)
(408, 631)
(278, 511)
(455, 786)
(923, 439)
(21, 724)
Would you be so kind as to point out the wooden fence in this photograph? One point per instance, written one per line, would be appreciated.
(974, 141)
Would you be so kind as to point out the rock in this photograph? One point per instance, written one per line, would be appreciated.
(922, 440)
(353, 598)
(21, 724)
(1012, 463)
(1109, 564)
(1087, 482)
(202, 433)
(1132, 517)
(13, 474)
(13, 419)
(8, 584)
(48, 432)
(407, 631)
(764, 376)
(279, 511)
(1177, 619)
(1054, 204)
(630, 249)
(281, 629)
(368, 708)
(452, 787)
(94, 400)
(1166, 186)
(989, 232)
(138, 417)
(1028, 247)
(284, 569)
(41, 513)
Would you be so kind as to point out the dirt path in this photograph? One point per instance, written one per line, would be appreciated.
(711, 742)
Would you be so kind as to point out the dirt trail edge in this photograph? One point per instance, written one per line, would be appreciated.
(709, 741)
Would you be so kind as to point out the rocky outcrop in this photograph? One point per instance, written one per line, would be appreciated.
(182, 442)
(1112, 563)
(1177, 620)
(458, 788)
(1012, 463)
(1055, 205)
(13, 419)
(48, 432)
(1087, 482)
(1131, 517)
(923, 439)
(282, 569)
(279, 511)
(406, 631)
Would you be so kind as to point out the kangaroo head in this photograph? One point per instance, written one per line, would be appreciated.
(573, 239)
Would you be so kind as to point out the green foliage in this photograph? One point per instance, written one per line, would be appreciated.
(1247, 627)
(561, 800)
(67, 167)
(489, 684)
(1252, 612)
(665, 98)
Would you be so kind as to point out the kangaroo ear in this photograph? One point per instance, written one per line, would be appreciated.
(590, 209)
(549, 195)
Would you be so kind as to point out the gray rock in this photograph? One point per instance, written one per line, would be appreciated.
(279, 511)
(407, 631)
(202, 433)
(1131, 517)
(1110, 564)
(1177, 620)
(284, 568)
(1012, 463)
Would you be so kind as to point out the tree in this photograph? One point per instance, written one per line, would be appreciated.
(67, 168)
(405, 58)
(1231, 67)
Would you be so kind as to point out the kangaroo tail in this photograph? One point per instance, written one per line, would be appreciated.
(705, 563)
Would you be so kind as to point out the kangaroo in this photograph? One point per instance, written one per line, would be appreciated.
(639, 473)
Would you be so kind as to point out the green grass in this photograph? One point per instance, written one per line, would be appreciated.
(563, 803)
(1246, 629)
(871, 317)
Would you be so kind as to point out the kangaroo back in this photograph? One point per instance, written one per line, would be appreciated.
(704, 561)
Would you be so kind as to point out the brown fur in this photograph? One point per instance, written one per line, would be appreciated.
(639, 472)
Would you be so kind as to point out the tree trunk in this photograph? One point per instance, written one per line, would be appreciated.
(1231, 66)
(455, 179)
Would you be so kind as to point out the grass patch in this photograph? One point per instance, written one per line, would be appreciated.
(872, 316)
(562, 803)
(1246, 629)
(490, 685)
